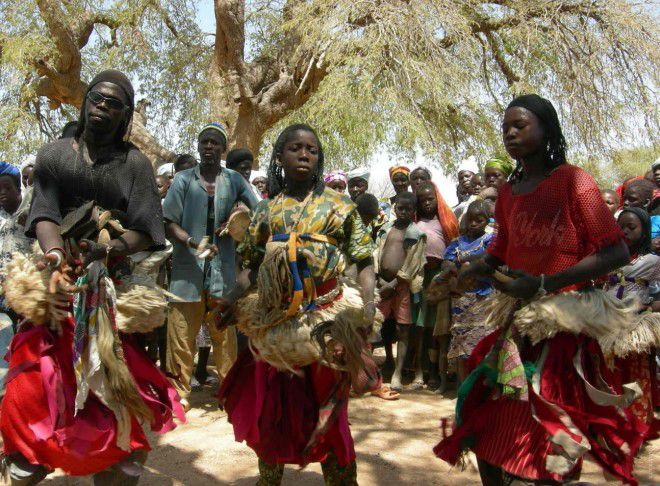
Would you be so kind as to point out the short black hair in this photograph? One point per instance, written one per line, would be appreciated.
(182, 159)
(479, 206)
(644, 186)
(425, 186)
(69, 130)
(424, 170)
(236, 156)
(406, 196)
(367, 205)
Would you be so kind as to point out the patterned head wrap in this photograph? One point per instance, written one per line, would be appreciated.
(359, 173)
(655, 164)
(217, 127)
(399, 169)
(336, 175)
(500, 164)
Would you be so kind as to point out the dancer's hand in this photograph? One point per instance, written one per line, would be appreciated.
(522, 286)
(60, 288)
(223, 313)
(92, 252)
(63, 278)
(474, 270)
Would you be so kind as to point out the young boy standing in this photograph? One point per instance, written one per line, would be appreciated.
(400, 259)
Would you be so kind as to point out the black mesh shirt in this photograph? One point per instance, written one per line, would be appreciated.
(122, 181)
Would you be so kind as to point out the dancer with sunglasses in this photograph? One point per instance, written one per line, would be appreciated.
(79, 386)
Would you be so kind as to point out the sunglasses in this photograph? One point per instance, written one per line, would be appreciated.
(97, 98)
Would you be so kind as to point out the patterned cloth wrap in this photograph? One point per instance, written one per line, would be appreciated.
(301, 310)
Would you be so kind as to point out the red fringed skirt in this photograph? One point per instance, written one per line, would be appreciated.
(277, 413)
(522, 437)
(640, 368)
(36, 418)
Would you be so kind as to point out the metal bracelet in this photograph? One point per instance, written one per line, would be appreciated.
(541, 292)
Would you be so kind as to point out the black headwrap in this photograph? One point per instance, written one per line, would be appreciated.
(118, 78)
(644, 245)
(545, 111)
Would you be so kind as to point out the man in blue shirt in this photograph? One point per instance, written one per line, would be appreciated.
(197, 204)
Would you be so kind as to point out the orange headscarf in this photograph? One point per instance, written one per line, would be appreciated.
(399, 169)
(446, 217)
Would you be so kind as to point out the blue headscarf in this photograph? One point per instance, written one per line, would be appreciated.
(12, 171)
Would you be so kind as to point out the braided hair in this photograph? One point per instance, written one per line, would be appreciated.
(555, 148)
(276, 182)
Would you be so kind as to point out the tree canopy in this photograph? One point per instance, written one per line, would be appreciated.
(413, 76)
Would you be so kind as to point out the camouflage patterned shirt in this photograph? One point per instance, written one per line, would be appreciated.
(330, 214)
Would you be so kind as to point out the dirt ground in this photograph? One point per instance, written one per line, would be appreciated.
(393, 442)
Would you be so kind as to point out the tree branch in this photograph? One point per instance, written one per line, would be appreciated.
(498, 55)
(230, 42)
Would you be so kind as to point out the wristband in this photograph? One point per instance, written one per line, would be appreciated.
(59, 253)
(541, 290)
(189, 240)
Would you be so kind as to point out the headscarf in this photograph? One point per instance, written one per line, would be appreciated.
(119, 79)
(359, 173)
(500, 164)
(399, 169)
(217, 127)
(655, 164)
(546, 112)
(336, 175)
(166, 169)
(9, 169)
(644, 245)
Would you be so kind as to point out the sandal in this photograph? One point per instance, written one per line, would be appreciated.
(386, 393)
(417, 385)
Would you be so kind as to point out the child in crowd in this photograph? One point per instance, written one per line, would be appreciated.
(261, 183)
(469, 326)
(463, 187)
(163, 183)
(490, 196)
(399, 262)
(477, 184)
(12, 219)
(337, 180)
(638, 194)
(367, 208)
(641, 277)
(439, 224)
(419, 176)
(611, 199)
